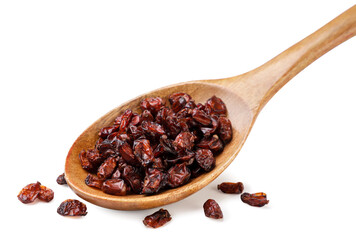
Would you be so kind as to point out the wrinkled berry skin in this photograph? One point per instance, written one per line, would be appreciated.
(178, 175)
(157, 219)
(212, 209)
(114, 187)
(256, 199)
(154, 181)
(205, 159)
(61, 179)
(72, 207)
(225, 129)
(159, 147)
(215, 105)
(94, 181)
(46, 194)
(30, 192)
(229, 187)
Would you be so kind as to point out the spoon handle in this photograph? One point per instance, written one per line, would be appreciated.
(262, 83)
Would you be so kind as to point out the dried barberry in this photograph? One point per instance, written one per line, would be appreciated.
(212, 209)
(154, 181)
(143, 151)
(61, 179)
(205, 159)
(215, 105)
(225, 129)
(72, 207)
(256, 199)
(230, 187)
(30, 192)
(184, 140)
(107, 168)
(201, 117)
(179, 100)
(93, 181)
(132, 176)
(46, 194)
(114, 187)
(178, 175)
(157, 219)
(152, 104)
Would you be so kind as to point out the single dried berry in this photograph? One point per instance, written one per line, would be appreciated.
(143, 151)
(107, 168)
(106, 131)
(215, 105)
(132, 176)
(152, 104)
(178, 175)
(205, 159)
(225, 129)
(30, 192)
(125, 120)
(212, 209)
(152, 130)
(72, 207)
(229, 187)
(114, 187)
(154, 181)
(61, 180)
(157, 219)
(184, 140)
(127, 154)
(45, 194)
(256, 199)
(94, 181)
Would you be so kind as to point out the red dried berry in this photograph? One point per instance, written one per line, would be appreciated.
(107, 168)
(229, 187)
(154, 181)
(225, 129)
(152, 104)
(205, 159)
(61, 179)
(93, 181)
(215, 105)
(212, 209)
(72, 207)
(45, 194)
(29, 193)
(256, 199)
(114, 187)
(178, 175)
(157, 219)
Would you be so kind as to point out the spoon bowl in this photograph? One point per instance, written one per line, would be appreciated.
(244, 96)
(239, 114)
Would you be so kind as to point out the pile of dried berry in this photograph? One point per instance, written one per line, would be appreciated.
(162, 147)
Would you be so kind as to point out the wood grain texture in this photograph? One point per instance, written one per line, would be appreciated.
(244, 95)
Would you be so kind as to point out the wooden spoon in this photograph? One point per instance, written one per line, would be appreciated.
(245, 95)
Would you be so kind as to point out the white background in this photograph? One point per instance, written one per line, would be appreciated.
(63, 64)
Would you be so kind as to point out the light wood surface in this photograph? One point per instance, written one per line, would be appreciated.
(245, 95)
